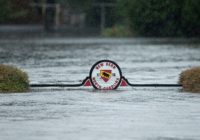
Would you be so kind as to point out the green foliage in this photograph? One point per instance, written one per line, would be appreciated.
(116, 31)
(191, 17)
(154, 17)
(162, 18)
(5, 10)
(165, 18)
(190, 80)
(13, 80)
(11, 10)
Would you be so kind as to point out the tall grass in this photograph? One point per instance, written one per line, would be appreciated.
(13, 79)
(190, 79)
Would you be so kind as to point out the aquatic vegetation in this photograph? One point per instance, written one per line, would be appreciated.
(190, 79)
(13, 79)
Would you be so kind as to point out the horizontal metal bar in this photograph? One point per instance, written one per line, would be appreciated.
(60, 85)
(83, 82)
(151, 85)
(79, 85)
(56, 85)
(155, 85)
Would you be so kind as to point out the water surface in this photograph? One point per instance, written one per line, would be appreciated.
(132, 113)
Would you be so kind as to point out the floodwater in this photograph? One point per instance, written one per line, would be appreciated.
(145, 113)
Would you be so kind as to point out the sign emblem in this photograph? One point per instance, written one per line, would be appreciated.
(106, 75)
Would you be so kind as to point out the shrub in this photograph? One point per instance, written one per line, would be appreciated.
(190, 79)
(13, 79)
(116, 31)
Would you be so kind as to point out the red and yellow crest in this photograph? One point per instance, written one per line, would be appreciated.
(106, 75)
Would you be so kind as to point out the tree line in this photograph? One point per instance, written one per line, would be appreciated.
(162, 17)
(159, 18)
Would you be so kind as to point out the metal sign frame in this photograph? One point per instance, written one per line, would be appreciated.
(89, 82)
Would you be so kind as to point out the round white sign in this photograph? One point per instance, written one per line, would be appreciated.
(105, 75)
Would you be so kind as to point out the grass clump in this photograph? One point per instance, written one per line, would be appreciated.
(190, 80)
(13, 80)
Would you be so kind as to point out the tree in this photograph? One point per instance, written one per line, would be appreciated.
(13, 10)
(162, 17)
(153, 17)
(5, 10)
(191, 18)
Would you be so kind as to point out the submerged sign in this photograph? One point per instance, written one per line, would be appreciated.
(105, 75)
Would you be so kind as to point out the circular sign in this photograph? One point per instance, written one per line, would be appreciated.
(105, 75)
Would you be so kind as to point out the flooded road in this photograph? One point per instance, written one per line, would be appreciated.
(132, 113)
